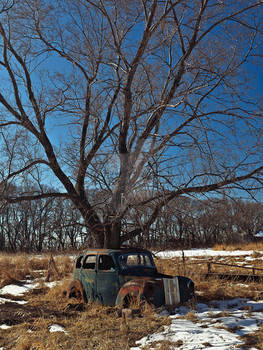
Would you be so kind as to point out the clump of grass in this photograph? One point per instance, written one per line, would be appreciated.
(191, 316)
(24, 266)
(11, 271)
(253, 340)
(7, 278)
(38, 263)
(163, 345)
(23, 343)
(20, 266)
(257, 254)
(220, 314)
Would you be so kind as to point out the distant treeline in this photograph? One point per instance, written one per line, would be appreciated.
(40, 225)
(189, 223)
(54, 224)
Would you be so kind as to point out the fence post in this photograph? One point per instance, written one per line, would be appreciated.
(209, 267)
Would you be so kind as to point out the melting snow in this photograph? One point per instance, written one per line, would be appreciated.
(17, 290)
(4, 326)
(52, 284)
(56, 328)
(202, 252)
(6, 300)
(217, 325)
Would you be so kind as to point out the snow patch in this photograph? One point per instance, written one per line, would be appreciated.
(52, 284)
(202, 252)
(17, 290)
(4, 326)
(193, 336)
(217, 325)
(56, 328)
(259, 234)
(5, 300)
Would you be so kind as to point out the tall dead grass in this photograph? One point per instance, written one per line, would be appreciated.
(257, 246)
(17, 267)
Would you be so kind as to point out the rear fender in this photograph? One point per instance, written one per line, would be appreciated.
(75, 290)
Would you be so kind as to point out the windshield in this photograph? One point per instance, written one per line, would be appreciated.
(131, 260)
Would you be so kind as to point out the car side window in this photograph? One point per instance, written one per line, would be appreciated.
(106, 263)
(89, 262)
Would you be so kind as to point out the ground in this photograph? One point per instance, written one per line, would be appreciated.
(34, 314)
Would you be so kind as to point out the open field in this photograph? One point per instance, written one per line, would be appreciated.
(35, 315)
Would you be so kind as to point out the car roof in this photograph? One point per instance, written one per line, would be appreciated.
(112, 251)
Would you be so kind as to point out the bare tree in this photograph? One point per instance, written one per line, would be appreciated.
(43, 224)
(6, 5)
(113, 99)
(248, 218)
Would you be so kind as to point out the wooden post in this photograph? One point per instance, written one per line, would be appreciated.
(209, 267)
(51, 264)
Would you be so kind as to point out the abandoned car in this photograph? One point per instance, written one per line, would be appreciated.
(117, 277)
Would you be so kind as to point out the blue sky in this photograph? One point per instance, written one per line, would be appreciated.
(60, 132)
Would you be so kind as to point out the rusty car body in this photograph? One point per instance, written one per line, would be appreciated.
(118, 276)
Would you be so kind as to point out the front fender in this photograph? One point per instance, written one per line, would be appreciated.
(133, 288)
(149, 290)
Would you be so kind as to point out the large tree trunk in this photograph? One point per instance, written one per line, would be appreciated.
(112, 234)
(106, 235)
(95, 237)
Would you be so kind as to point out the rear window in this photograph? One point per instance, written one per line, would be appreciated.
(106, 263)
(131, 260)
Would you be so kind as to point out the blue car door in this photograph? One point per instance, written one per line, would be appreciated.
(107, 280)
(88, 276)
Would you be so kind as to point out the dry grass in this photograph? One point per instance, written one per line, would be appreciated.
(163, 345)
(96, 327)
(17, 267)
(191, 316)
(240, 246)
